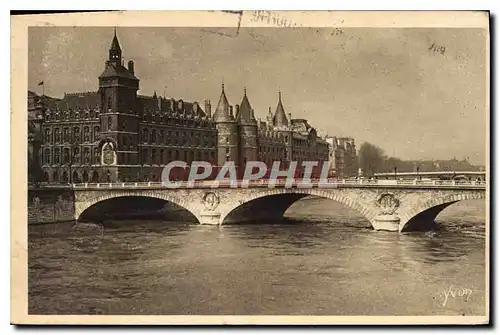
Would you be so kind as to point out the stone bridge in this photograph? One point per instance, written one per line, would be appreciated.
(398, 207)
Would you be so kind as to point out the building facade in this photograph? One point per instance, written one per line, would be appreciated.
(116, 135)
(343, 157)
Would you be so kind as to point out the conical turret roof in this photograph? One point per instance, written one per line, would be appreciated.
(245, 115)
(280, 118)
(222, 113)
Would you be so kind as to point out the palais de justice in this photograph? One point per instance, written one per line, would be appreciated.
(115, 135)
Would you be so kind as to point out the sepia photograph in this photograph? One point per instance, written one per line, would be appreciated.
(251, 164)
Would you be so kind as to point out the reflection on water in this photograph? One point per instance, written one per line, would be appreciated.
(322, 260)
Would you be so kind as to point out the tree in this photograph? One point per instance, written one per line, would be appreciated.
(371, 158)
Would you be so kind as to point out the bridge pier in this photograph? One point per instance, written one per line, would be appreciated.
(386, 222)
(209, 218)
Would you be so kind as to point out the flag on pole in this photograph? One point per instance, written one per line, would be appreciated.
(40, 83)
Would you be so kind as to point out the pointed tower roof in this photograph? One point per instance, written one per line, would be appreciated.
(222, 113)
(280, 118)
(115, 45)
(245, 115)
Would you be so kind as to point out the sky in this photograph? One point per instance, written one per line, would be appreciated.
(416, 93)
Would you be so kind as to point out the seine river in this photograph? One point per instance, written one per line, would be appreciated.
(324, 260)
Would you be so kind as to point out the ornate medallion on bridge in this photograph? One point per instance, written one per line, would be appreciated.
(211, 201)
(388, 203)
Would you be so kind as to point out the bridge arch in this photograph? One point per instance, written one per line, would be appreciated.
(288, 196)
(423, 215)
(82, 206)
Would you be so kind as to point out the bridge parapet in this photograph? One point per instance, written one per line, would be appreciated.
(453, 184)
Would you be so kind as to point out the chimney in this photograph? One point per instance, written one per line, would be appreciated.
(208, 108)
(131, 66)
(231, 111)
(172, 104)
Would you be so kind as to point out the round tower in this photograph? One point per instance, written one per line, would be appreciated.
(227, 131)
(248, 132)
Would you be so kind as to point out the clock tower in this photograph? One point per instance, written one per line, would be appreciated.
(118, 88)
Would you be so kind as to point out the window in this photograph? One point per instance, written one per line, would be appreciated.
(153, 156)
(124, 124)
(86, 155)
(153, 136)
(86, 134)
(110, 103)
(47, 136)
(66, 135)
(110, 123)
(144, 135)
(57, 135)
(46, 158)
(96, 132)
(96, 155)
(65, 155)
(57, 156)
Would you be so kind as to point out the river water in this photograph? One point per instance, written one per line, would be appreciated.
(324, 260)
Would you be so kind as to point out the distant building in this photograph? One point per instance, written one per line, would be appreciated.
(343, 157)
(114, 134)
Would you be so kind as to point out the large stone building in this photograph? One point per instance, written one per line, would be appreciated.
(114, 134)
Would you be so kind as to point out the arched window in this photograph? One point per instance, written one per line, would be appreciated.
(145, 135)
